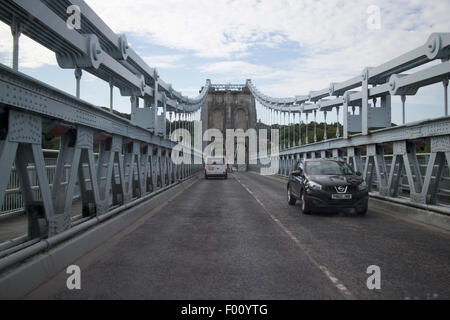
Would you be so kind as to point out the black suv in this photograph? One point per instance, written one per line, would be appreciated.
(327, 185)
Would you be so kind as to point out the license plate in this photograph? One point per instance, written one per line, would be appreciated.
(341, 196)
(210, 169)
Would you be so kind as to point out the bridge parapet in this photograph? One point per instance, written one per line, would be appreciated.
(386, 157)
(104, 160)
(133, 159)
(389, 161)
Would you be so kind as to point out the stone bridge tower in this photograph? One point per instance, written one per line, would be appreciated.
(229, 107)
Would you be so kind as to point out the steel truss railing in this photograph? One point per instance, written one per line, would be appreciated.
(13, 204)
(386, 80)
(134, 158)
(132, 161)
(228, 87)
(368, 155)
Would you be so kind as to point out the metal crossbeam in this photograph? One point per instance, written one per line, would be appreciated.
(387, 78)
(94, 48)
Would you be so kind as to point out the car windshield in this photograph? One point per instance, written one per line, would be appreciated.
(325, 168)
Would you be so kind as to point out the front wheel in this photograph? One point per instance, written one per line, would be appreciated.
(290, 199)
(225, 177)
(305, 204)
(363, 212)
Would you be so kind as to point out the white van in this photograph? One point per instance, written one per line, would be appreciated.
(216, 167)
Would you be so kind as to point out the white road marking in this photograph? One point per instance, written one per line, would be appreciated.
(334, 280)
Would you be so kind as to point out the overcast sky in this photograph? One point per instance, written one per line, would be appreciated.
(287, 48)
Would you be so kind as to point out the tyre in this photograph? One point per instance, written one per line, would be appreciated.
(206, 177)
(290, 199)
(305, 204)
(225, 177)
(362, 212)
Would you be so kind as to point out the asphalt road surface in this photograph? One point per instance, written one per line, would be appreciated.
(239, 239)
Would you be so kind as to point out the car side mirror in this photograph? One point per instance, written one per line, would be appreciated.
(359, 174)
(297, 173)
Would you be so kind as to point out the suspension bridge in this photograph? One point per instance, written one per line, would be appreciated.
(111, 200)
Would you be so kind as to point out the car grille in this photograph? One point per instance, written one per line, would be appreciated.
(350, 189)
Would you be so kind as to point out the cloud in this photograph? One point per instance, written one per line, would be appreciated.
(307, 43)
(88, 77)
(163, 61)
(235, 70)
(31, 54)
(222, 28)
(333, 42)
(190, 91)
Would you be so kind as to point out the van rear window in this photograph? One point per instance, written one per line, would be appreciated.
(214, 161)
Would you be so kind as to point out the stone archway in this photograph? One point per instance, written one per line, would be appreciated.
(229, 108)
(216, 119)
(241, 121)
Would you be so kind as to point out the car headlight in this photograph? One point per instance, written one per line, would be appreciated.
(314, 185)
(362, 186)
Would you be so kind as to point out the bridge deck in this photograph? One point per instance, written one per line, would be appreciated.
(218, 241)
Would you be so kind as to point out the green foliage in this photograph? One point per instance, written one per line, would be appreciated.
(287, 133)
(50, 142)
